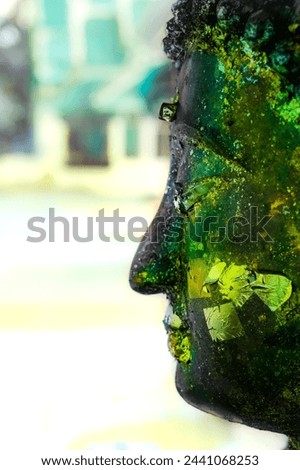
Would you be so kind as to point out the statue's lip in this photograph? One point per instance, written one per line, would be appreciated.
(166, 320)
(172, 321)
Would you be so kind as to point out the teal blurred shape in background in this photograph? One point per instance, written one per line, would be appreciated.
(103, 42)
(96, 61)
(55, 13)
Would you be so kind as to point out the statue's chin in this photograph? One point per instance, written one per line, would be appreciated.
(198, 398)
(195, 397)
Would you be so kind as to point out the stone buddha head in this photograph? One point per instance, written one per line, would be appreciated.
(225, 243)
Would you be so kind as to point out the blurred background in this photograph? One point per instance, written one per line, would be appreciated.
(84, 361)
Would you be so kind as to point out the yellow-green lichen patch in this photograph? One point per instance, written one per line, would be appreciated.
(296, 159)
(180, 346)
(290, 111)
(292, 395)
(140, 278)
(239, 283)
(241, 64)
(223, 322)
(289, 311)
(175, 99)
(234, 284)
(215, 273)
(239, 59)
(174, 321)
(273, 290)
(196, 274)
(293, 27)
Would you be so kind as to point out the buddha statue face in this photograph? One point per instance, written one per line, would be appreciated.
(225, 244)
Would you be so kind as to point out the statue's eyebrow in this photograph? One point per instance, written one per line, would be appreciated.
(185, 133)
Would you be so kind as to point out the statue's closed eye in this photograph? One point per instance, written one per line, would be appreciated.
(195, 193)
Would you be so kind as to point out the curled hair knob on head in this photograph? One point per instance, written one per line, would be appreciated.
(258, 20)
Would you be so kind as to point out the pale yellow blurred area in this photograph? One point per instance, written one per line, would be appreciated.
(84, 360)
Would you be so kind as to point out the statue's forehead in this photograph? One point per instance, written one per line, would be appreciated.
(200, 84)
(195, 67)
(234, 103)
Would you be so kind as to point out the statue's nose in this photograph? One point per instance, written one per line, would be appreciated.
(156, 266)
(156, 263)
